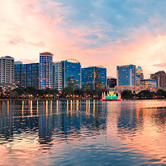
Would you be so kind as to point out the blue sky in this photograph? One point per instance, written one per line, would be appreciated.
(96, 32)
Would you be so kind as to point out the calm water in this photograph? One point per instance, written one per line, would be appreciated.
(83, 133)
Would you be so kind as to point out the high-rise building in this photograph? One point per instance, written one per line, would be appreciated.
(126, 75)
(111, 82)
(160, 77)
(46, 70)
(17, 74)
(27, 75)
(71, 73)
(57, 76)
(6, 70)
(94, 78)
(139, 75)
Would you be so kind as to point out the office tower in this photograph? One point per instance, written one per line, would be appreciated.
(6, 70)
(160, 77)
(94, 78)
(126, 75)
(46, 70)
(27, 75)
(111, 82)
(32, 75)
(139, 75)
(71, 73)
(17, 74)
(57, 76)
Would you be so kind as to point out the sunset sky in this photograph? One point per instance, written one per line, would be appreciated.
(95, 32)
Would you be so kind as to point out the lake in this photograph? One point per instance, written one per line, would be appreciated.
(83, 132)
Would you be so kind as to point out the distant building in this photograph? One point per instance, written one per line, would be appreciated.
(94, 78)
(57, 76)
(6, 70)
(71, 73)
(148, 84)
(111, 82)
(160, 77)
(46, 70)
(139, 75)
(126, 75)
(27, 75)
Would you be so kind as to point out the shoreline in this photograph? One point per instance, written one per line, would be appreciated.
(64, 99)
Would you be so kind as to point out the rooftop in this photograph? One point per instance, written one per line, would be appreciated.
(72, 60)
(46, 53)
(159, 72)
(139, 68)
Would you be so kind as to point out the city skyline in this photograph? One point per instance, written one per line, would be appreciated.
(108, 76)
(112, 33)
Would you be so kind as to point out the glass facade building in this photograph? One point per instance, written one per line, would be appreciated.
(27, 75)
(139, 75)
(94, 78)
(57, 76)
(46, 70)
(126, 75)
(71, 73)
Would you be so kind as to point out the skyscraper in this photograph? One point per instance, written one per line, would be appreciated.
(160, 77)
(6, 70)
(27, 75)
(94, 78)
(71, 73)
(58, 76)
(46, 70)
(139, 75)
(126, 75)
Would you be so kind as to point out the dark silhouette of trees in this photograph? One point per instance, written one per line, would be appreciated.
(161, 93)
(68, 91)
(145, 94)
(127, 94)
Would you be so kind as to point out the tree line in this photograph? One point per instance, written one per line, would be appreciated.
(144, 94)
(69, 92)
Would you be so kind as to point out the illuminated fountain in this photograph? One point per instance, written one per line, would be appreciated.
(110, 97)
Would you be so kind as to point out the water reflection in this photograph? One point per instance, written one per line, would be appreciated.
(136, 128)
(49, 116)
(6, 122)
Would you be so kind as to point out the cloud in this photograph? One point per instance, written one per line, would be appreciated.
(95, 32)
(160, 65)
(22, 41)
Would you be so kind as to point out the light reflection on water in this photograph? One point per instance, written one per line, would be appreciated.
(82, 132)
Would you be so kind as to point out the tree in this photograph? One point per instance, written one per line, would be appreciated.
(78, 92)
(127, 94)
(67, 91)
(161, 93)
(145, 94)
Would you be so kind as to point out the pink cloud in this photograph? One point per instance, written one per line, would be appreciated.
(28, 29)
(160, 65)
